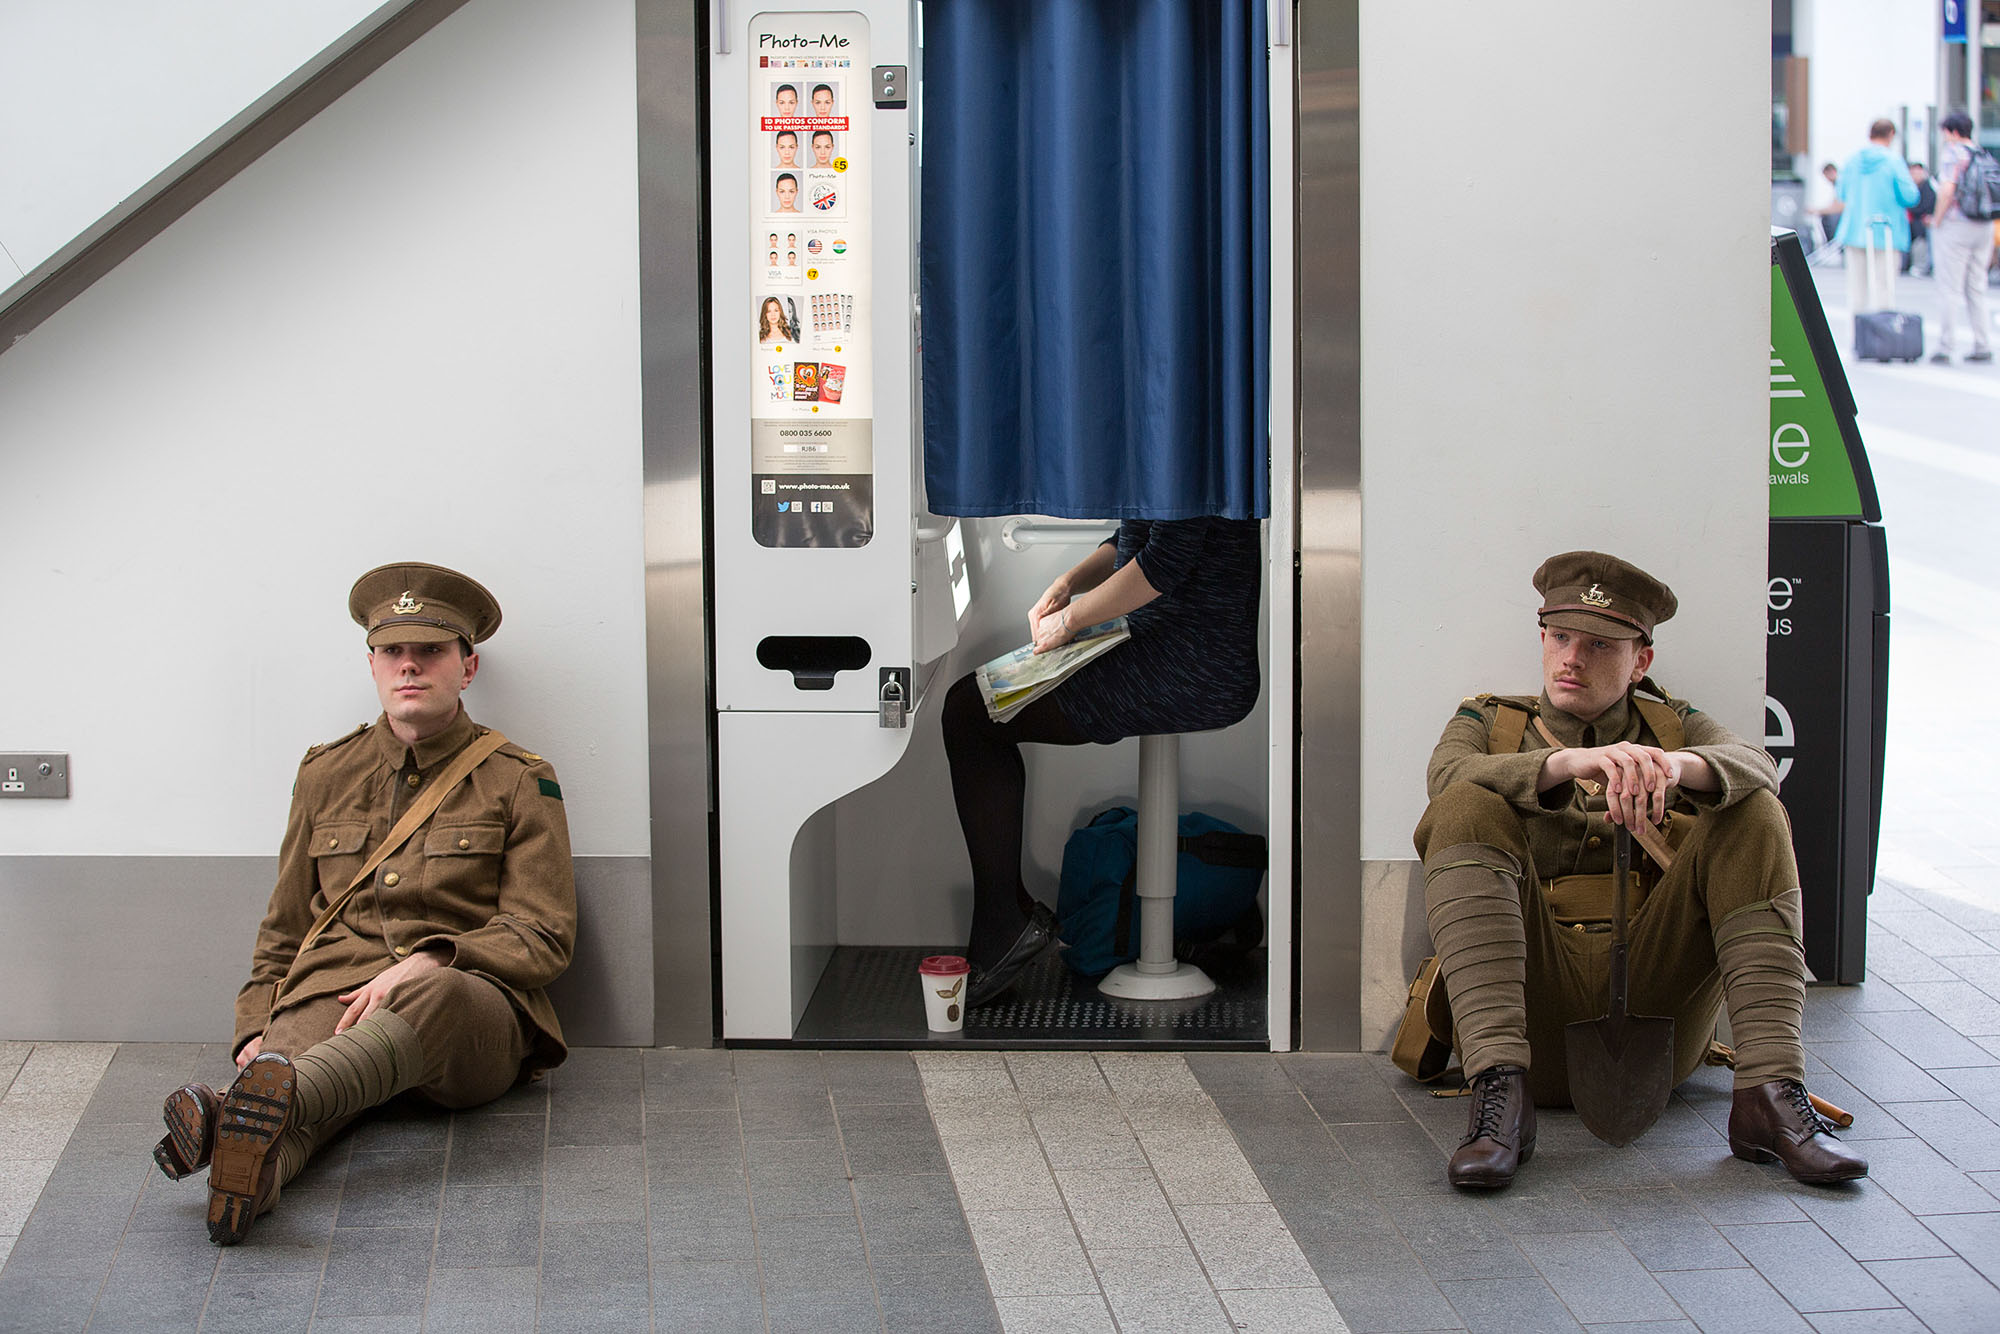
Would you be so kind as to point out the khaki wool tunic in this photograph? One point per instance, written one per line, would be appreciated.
(486, 881)
(1568, 832)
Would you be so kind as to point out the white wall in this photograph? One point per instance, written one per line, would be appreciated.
(1868, 59)
(1562, 348)
(97, 96)
(408, 332)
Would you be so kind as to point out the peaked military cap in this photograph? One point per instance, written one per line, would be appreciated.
(1602, 595)
(413, 603)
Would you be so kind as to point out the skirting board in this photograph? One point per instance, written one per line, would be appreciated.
(153, 949)
(1394, 940)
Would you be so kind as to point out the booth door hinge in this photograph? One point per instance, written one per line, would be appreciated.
(893, 698)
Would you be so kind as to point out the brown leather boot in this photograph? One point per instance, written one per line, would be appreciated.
(243, 1170)
(189, 1112)
(1777, 1120)
(1499, 1132)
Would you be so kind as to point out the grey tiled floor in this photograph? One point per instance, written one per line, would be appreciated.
(707, 1190)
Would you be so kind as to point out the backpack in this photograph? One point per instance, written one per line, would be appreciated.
(1978, 192)
(1218, 873)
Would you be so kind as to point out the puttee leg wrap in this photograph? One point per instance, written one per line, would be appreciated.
(1759, 950)
(1472, 900)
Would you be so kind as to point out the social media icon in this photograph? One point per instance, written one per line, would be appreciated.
(784, 505)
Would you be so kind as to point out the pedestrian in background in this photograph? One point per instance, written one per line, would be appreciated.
(1962, 248)
(1920, 222)
(1876, 193)
(1825, 202)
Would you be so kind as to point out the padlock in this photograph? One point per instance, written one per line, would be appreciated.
(894, 706)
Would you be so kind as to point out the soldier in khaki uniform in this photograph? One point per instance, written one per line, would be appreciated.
(426, 973)
(1517, 845)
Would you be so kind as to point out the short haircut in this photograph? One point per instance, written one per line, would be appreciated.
(1958, 123)
(819, 88)
(793, 135)
(785, 88)
(819, 134)
(1882, 129)
(784, 176)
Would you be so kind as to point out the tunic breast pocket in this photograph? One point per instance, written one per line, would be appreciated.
(462, 870)
(336, 849)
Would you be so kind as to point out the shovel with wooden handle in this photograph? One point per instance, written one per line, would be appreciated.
(1621, 1067)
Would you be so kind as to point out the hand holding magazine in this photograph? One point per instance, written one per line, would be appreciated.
(1013, 681)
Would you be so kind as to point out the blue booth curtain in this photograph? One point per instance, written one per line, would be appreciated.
(1096, 258)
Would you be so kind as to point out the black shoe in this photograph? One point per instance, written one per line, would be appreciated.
(1979, 356)
(1036, 936)
(1940, 359)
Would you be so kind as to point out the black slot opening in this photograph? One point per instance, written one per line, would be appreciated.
(813, 659)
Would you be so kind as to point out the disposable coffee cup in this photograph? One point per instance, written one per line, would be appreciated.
(943, 977)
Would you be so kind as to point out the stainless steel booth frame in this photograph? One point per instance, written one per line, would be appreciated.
(1325, 887)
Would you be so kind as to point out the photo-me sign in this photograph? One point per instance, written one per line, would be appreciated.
(811, 408)
(1826, 621)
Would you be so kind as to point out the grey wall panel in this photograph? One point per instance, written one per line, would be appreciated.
(153, 949)
(672, 241)
(1329, 351)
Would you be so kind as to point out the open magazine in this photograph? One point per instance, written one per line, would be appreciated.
(1013, 681)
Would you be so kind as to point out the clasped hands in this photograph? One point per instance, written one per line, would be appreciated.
(1048, 619)
(1636, 779)
(364, 1000)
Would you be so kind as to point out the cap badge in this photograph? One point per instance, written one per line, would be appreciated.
(1594, 596)
(405, 607)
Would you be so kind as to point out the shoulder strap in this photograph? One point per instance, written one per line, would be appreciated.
(1510, 724)
(1666, 724)
(420, 810)
(1647, 835)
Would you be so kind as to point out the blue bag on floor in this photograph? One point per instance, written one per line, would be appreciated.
(1097, 906)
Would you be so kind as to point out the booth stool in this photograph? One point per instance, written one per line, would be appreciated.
(1157, 975)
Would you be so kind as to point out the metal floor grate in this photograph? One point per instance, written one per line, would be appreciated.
(868, 997)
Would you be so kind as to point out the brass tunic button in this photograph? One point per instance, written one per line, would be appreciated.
(392, 879)
(333, 842)
(1596, 840)
(402, 951)
(464, 843)
(415, 780)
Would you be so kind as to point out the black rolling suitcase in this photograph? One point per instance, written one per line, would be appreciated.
(1888, 335)
(1885, 335)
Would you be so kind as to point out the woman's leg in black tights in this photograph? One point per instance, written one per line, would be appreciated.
(989, 783)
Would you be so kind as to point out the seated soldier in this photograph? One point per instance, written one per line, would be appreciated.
(1517, 848)
(424, 900)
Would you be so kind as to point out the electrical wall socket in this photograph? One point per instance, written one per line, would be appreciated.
(33, 774)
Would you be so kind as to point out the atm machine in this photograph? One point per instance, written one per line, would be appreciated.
(837, 600)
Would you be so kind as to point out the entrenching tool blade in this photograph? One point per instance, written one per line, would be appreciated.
(1621, 1067)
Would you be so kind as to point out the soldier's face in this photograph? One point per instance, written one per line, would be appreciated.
(419, 685)
(1584, 674)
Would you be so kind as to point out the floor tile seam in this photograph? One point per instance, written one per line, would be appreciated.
(646, 1197)
(542, 1218)
(854, 1198)
(1626, 1246)
(1201, 1262)
(952, 1162)
(437, 1230)
(749, 1200)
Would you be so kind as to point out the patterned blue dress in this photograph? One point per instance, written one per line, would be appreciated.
(1191, 664)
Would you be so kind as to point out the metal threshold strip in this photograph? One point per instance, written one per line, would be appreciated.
(210, 164)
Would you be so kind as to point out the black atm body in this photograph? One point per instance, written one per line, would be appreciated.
(1826, 641)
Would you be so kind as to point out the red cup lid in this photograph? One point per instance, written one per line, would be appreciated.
(944, 965)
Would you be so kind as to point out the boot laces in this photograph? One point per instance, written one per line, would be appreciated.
(1810, 1121)
(1489, 1104)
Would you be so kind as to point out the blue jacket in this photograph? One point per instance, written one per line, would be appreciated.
(1875, 188)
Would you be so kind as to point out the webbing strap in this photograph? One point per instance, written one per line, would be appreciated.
(1510, 724)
